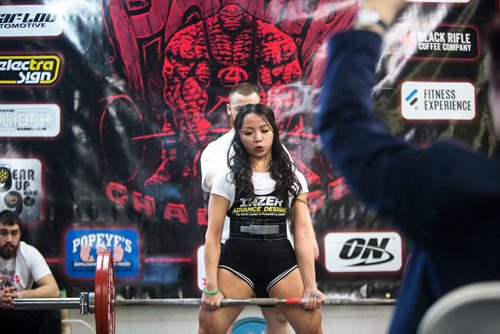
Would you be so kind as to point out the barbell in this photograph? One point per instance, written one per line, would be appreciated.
(102, 302)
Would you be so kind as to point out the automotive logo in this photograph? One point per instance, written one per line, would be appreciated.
(29, 70)
(363, 252)
(30, 21)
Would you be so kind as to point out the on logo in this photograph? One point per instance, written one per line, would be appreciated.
(369, 253)
(356, 252)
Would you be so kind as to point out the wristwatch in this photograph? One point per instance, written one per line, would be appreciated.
(368, 17)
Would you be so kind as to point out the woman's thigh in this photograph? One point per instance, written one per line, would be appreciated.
(302, 321)
(220, 320)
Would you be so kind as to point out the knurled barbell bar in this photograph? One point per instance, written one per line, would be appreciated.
(102, 301)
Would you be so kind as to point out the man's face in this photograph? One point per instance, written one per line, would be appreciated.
(9, 240)
(236, 101)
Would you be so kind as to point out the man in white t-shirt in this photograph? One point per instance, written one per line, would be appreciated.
(21, 265)
(214, 160)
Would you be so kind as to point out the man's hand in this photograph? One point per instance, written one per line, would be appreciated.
(7, 297)
(388, 9)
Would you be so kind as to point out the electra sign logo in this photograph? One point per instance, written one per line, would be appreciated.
(29, 70)
(30, 21)
(363, 252)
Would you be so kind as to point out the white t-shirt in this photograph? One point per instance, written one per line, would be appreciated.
(27, 267)
(214, 157)
(263, 185)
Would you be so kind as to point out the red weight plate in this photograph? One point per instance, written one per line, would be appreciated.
(104, 294)
(98, 293)
(111, 297)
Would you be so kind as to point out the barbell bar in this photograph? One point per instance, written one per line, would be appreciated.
(102, 302)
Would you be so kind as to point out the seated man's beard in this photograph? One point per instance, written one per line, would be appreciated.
(8, 251)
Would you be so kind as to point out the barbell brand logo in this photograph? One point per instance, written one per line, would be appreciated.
(363, 252)
(30, 21)
(30, 120)
(29, 69)
(438, 100)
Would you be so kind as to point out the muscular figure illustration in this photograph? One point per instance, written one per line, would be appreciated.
(179, 60)
(203, 59)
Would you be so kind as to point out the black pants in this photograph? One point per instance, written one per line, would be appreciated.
(30, 321)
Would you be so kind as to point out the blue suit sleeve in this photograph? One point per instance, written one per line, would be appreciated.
(383, 171)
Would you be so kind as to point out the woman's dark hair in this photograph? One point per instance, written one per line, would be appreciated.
(281, 167)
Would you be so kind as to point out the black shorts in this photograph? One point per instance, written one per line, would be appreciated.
(260, 263)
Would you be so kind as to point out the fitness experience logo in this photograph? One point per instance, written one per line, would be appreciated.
(358, 252)
(438, 100)
(30, 120)
(29, 70)
(446, 42)
(30, 21)
(82, 246)
(21, 188)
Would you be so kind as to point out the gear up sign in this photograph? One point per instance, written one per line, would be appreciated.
(21, 188)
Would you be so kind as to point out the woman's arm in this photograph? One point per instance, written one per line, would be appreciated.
(304, 251)
(312, 237)
(301, 234)
(217, 208)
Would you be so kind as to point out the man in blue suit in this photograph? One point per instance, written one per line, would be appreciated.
(444, 198)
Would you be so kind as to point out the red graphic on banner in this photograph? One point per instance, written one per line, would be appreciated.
(181, 58)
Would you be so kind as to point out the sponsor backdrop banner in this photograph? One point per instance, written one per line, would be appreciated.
(106, 106)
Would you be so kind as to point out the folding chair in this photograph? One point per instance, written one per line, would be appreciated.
(471, 309)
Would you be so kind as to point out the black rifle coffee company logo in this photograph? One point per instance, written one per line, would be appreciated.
(19, 70)
(452, 43)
